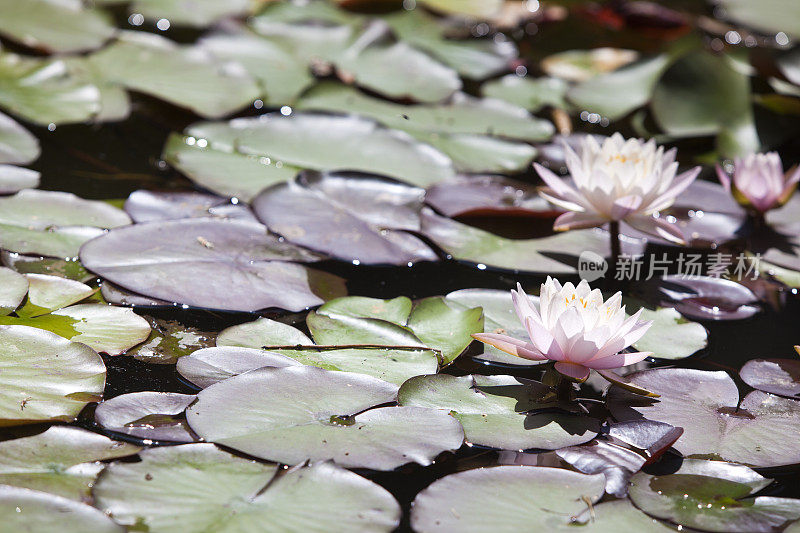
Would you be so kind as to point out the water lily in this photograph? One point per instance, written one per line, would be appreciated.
(574, 327)
(759, 182)
(630, 180)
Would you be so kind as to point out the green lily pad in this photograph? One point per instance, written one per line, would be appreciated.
(529, 93)
(671, 336)
(114, 103)
(712, 496)
(197, 487)
(617, 516)
(17, 145)
(45, 377)
(397, 362)
(617, 93)
(471, 8)
(31, 510)
(147, 415)
(283, 76)
(55, 25)
(475, 59)
(703, 94)
(48, 293)
(295, 413)
(556, 254)
(170, 340)
(42, 91)
(183, 76)
(207, 366)
(768, 16)
(53, 223)
(716, 424)
(432, 324)
(62, 460)
(64, 268)
(499, 411)
(14, 179)
(507, 499)
(195, 13)
(13, 288)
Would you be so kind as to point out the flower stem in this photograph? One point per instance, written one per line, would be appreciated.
(616, 248)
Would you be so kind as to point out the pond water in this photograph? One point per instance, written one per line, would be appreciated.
(687, 101)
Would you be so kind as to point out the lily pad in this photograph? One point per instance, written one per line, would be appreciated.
(707, 298)
(43, 91)
(283, 76)
(556, 254)
(53, 223)
(199, 487)
(184, 76)
(170, 340)
(706, 404)
(31, 510)
(14, 179)
(149, 206)
(500, 411)
(294, 414)
(713, 496)
(62, 460)
(104, 328)
(615, 462)
(349, 216)
(17, 145)
(487, 195)
(529, 93)
(45, 377)
(13, 288)
(671, 336)
(471, 8)
(48, 293)
(432, 323)
(207, 366)
(475, 59)
(153, 416)
(768, 16)
(511, 498)
(64, 268)
(776, 376)
(221, 264)
(581, 65)
(55, 25)
(195, 13)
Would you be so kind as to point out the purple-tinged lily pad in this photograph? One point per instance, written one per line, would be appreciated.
(149, 206)
(616, 463)
(761, 431)
(349, 216)
(702, 297)
(222, 264)
(147, 415)
(487, 195)
(776, 376)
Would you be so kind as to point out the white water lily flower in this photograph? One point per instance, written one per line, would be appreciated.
(575, 328)
(759, 182)
(628, 180)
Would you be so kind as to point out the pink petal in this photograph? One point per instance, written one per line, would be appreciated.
(678, 185)
(657, 226)
(572, 370)
(560, 202)
(618, 360)
(576, 220)
(624, 206)
(510, 345)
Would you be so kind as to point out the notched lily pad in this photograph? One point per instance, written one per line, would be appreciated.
(776, 376)
(294, 414)
(152, 416)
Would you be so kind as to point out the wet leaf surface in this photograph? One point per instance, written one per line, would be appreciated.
(149, 415)
(295, 414)
(776, 376)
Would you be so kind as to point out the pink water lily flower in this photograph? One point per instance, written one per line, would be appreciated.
(630, 180)
(759, 182)
(574, 327)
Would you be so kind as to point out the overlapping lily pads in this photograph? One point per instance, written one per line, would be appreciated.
(716, 424)
(13, 288)
(500, 411)
(511, 498)
(713, 496)
(53, 223)
(62, 460)
(199, 487)
(185, 76)
(222, 264)
(150, 415)
(349, 216)
(295, 413)
(45, 377)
